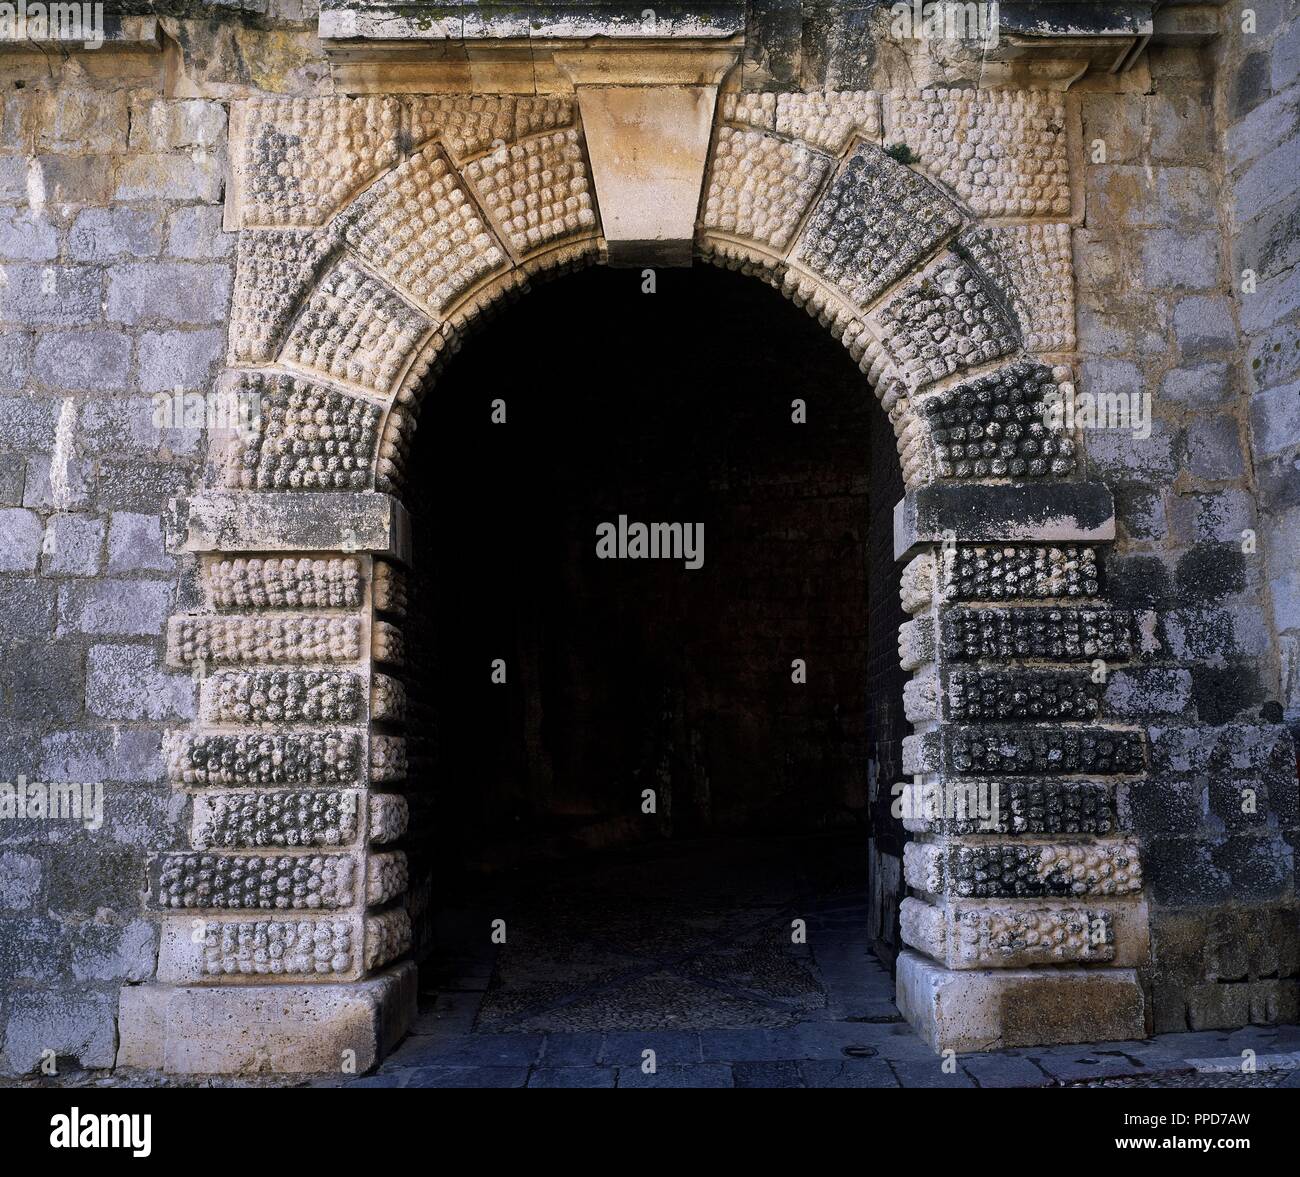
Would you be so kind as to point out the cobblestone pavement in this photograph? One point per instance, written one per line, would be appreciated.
(688, 950)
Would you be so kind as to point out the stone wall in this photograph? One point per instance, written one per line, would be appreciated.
(116, 286)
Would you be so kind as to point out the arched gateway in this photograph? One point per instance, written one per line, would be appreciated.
(930, 232)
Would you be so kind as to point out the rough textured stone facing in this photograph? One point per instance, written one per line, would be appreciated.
(536, 191)
(1023, 872)
(1062, 635)
(262, 639)
(1033, 751)
(1029, 807)
(1031, 267)
(760, 186)
(974, 572)
(1008, 937)
(993, 426)
(304, 438)
(876, 222)
(293, 758)
(418, 227)
(298, 160)
(282, 696)
(316, 947)
(354, 328)
(246, 881)
(1001, 696)
(942, 322)
(389, 814)
(1003, 153)
(273, 272)
(284, 583)
(275, 818)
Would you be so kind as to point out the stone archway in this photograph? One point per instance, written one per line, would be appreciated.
(930, 233)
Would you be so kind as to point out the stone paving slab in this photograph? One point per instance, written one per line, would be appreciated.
(700, 1075)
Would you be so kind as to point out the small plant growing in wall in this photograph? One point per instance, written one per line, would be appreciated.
(902, 153)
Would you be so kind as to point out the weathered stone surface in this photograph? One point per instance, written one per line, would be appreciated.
(1023, 871)
(1059, 635)
(275, 818)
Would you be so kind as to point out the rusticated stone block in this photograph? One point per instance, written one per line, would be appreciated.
(280, 948)
(1002, 152)
(390, 589)
(1058, 635)
(303, 438)
(875, 223)
(276, 758)
(760, 186)
(275, 818)
(1008, 572)
(419, 228)
(827, 119)
(917, 582)
(465, 124)
(282, 696)
(387, 644)
(297, 160)
(1023, 751)
(1008, 937)
(916, 645)
(1031, 268)
(943, 321)
(355, 329)
(1030, 807)
(389, 814)
(536, 191)
(273, 272)
(1001, 696)
(999, 425)
(989, 871)
(284, 583)
(386, 876)
(387, 699)
(286, 882)
(387, 758)
(223, 640)
(388, 935)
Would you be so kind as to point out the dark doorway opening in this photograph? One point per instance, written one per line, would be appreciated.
(650, 758)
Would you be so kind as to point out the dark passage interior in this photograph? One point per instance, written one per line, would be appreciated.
(692, 745)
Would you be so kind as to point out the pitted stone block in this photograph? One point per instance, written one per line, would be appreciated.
(284, 583)
(828, 119)
(390, 589)
(387, 644)
(224, 640)
(1056, 635)
(998, 425)
(921, 697)
(388, 935)
(298, 160)
(304, 438)
(387, 759)
(284, 882)
(1009, 572)
(1032, 269)
(916, 584)
(1003, 696)
(386, 876)
(943, 321)
(536, 191)
(389, 814)
(419, 228)
(1034, 751)
(1008, 937)
(916, 644)
(877, 221)
(274, 271)
(282, 696)
(276, 818)
(319, 948)
(541, 112)
(751, 109)
(1002, 152)
(465, 124)
(957, 808)
(387, 699)
(274, 758)
(354, 328)
(760, 186)
(990, 871)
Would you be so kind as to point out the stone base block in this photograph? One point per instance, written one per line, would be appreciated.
(989, 1009)
(252, 1029)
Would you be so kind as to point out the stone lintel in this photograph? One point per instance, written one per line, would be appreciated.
(992, 1009)
(134, 33)
(232, 522)
(283, 1029)
(1067, 512)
